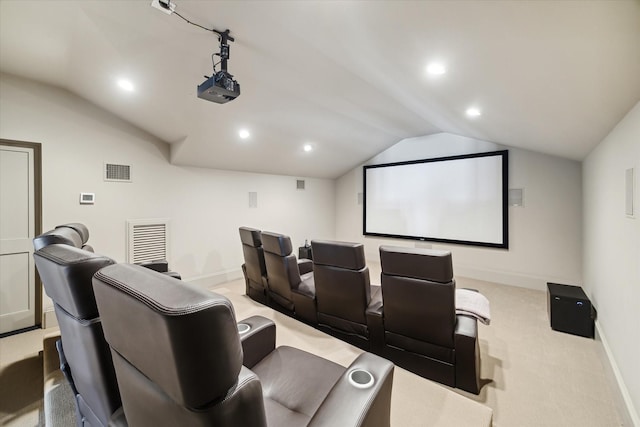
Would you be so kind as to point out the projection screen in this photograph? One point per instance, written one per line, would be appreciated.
(458, 199)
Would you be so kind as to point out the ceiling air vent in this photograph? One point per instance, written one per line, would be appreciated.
(147, 240)
(300, 184)
(115, 172)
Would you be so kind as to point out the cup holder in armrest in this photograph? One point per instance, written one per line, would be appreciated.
(360, 378)
(243, 328)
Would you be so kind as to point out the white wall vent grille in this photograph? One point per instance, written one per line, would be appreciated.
(147, 240)
(300, 184)
(115, 172)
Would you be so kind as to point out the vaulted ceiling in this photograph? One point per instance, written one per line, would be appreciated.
(347, 77)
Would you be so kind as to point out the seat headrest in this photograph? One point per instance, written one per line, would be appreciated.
(81, 229)
(425, 264)
(66, 273)
(60, 235)
(250, 237)
(275, 243)
(180, 336)
(338, 254)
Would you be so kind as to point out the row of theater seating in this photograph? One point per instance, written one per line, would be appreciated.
(141, 348)
(410, 319)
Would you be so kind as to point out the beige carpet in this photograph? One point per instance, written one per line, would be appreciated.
(21, 381)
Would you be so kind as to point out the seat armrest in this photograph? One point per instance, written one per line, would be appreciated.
(305, 266)
(118, 419)
(375, 304)
(173, 274)
(347, 405)
(161, 265)
(466, 326)
(467, 354)
(375, 320)
(258, 341)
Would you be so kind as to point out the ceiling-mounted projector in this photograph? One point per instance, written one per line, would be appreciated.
(219, 88)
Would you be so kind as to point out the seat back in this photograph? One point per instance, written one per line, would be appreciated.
(343, 290)
(282, 268)
(418, 290)
(66, 273)
(176, 350)
(255, 268)
(72, 234)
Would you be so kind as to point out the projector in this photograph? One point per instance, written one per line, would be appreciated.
(219, 88)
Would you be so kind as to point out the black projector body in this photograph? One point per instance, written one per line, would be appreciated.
(219, 88)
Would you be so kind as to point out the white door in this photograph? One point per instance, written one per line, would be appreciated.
(17, 219)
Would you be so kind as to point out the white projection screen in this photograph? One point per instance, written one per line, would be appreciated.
(458, 199)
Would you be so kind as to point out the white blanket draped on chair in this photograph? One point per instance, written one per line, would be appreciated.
(472, 303)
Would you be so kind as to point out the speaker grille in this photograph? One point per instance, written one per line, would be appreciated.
(516, 197)
(300, 184)
(253, 199)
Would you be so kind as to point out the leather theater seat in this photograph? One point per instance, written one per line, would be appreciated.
(254, 269)
(66, 272)
(343, 291)
(422, 332)
(179, 361)
(290, 282)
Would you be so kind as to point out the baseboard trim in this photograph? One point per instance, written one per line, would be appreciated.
(520, 280)
(209, 280)
(629, 412)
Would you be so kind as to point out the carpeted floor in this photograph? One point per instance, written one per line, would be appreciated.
(533, 376)
(21, 385)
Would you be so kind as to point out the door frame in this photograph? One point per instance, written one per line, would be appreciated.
(37, 205)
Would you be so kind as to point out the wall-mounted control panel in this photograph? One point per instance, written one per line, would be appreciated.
(87, 198)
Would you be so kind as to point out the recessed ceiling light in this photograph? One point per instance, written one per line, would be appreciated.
(244, 134)
(126, 85)
(473, 112)
(307, 147)
(436, 69)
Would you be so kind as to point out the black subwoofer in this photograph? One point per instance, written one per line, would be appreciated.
(570, 310)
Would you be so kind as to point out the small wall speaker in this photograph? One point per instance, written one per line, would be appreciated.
(516, 197)
(628, 191)
(300, 184)
(253, 199)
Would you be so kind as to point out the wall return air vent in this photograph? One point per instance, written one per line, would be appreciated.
(147, 240)
(116, 172)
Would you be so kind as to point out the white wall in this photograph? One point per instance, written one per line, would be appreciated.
(544, 235)
(205, 206)
(612, 252)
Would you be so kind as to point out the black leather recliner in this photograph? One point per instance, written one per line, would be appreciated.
(290, 282)
(422, 332)
(254, 269)
(66, 273)
(343, 291)
(179, 361)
